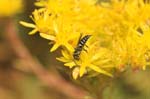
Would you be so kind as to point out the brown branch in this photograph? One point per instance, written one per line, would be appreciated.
(50, 79)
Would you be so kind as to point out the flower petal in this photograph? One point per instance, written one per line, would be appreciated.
(26, 24)
(62, 59)
(55, 46)
(82, 70)
(33, 31)
(75, 72)
(65, 54)
(70, 64)
(55, 26)
(48, 37)
(69, 47)
(95, 68)
(98, 55)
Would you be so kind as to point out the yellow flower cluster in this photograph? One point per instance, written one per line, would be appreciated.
(119, 29)
(10, 7)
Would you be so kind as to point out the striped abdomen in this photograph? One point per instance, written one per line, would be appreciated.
(80, 47)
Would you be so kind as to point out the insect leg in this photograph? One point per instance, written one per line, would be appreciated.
(86, 45)
(85, 50)
(80, 37)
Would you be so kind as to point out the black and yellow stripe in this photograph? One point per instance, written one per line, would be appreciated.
(80, 47)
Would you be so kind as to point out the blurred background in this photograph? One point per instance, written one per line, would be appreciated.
(17, 81)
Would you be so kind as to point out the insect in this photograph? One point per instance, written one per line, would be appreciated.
(80, 46)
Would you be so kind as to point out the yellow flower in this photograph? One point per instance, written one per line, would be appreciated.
(137, 11)
(81, 21)
(52, 22)
(64, 39)
(10, 7)
(43, 23)
(95, 59)
(120, 32)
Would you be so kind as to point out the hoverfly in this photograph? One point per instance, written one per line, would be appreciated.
(80, 46)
